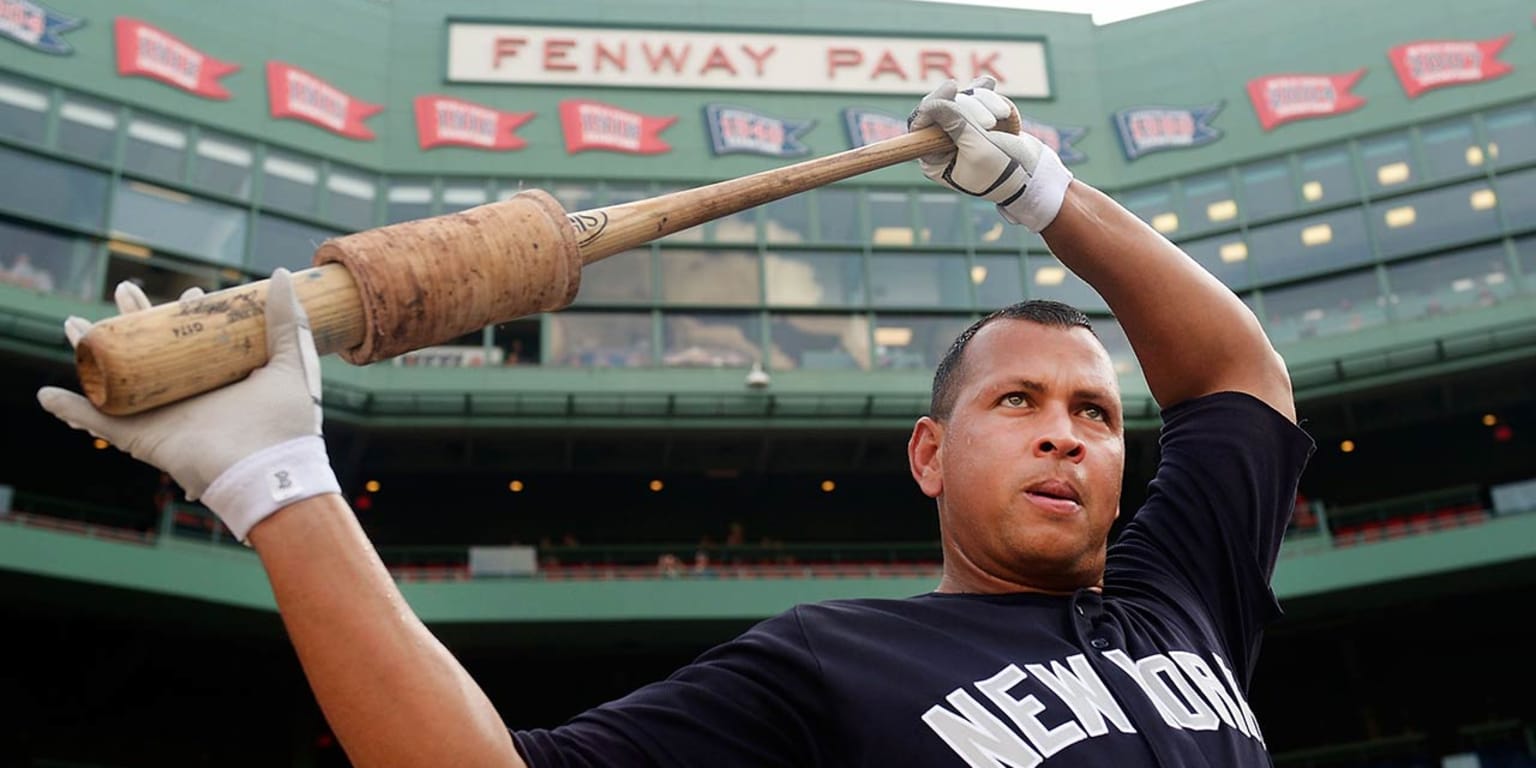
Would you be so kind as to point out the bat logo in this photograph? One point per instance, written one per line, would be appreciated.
(589, 225)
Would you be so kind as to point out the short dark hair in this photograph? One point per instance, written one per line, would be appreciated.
(1053, 314)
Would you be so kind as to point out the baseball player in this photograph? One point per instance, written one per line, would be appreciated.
(1040, 645)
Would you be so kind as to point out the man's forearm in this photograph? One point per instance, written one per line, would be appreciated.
(1191, 334)
(391, 692)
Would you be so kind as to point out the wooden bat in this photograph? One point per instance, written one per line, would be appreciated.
(393, 289)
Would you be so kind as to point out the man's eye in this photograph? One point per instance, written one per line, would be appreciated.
(1015, 400)
(1096, 413)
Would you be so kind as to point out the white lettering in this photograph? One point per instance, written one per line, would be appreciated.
(1083, 691)
(1025, 713)
(977, 736)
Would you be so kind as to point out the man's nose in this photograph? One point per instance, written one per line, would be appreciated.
(1057, 439)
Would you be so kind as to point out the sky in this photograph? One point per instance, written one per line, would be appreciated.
(1103, 11)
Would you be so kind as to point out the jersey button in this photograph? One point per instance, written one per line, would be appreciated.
(1099, 643)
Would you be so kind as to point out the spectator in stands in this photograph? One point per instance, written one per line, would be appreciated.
(27, 274)
(1041, 641)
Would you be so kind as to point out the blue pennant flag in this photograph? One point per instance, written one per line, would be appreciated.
(867, 126)
(1144, 130)
(736, 130)
(37, 26)
(1059, 138)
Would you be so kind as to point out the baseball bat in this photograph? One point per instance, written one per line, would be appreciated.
(385, 291)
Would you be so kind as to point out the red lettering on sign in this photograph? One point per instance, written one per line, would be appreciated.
(842, 57)
(717, 60)
(980, 66)
(758, 57)
(555, 52)
(888, 66)
(666, 56)
(506, 48)
(935, 61)
(619, 58)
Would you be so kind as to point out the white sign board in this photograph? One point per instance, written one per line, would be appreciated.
(480, 52)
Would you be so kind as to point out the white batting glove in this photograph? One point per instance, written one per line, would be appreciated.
(246, 449)
(1023, 176)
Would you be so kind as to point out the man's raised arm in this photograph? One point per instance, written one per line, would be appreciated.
(1191, 334)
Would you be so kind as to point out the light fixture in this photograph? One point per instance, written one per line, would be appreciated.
(1483, 199)
(1312, 191)
(827, 486)
(1392, 173)
(1317, 234)
(1490, 419)
(1165, 222)
(516, 486)
(1224, 210)
(1233, 252)
(100, 444)
(1474, 155)
(893, 336)
(1348, 446)
(978, 274)
(372, 486)
(656, 485)
(1401, 216)
(1050, 275)
(757, 378)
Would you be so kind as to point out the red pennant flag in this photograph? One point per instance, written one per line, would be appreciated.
(294, 93)
(148, 51)
(594, 125)
(1429, 64)
(1282, 98)
(441, 120)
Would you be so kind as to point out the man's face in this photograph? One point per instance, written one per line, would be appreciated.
(1027, 468)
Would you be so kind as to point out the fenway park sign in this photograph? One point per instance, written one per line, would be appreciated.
(481, 52)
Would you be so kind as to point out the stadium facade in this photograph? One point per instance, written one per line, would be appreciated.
(1362, 174)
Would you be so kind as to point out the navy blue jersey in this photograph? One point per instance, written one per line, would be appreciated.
(1153, 671)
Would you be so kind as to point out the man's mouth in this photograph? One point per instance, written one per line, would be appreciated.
(1055, 495)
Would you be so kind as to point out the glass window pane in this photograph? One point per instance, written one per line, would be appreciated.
(574, 197)
(815, 279)
(1267, 190)
(1440, 217)
(622, 277)
(943, 217)
(1209, 202)
(1525, 253)
(1335, 305)
(990, 231)
(280, 242)
(155, 149)
(1511, 135)
(711, 339)
(168, 219)
(350, 196)
(819, 342)
(1388, 162)
(1119, 348)
(890, 219)
(408, 200)
(223, 165)
(23, 110)
(163, 279)
(919, 280)
(1517, 197)
(1154, 205)
(600, 339)
(1451, 149)
(617, 192)
(463, 195)
(44, 261)
(54, 191)
(1226, 257)
(999, 281)
(1292, 248)
(88, 129)
(1327, 176)
(1452, 282)
(915, 341)
(290, 183)
(519, 341)
(710, 277)
(838, 214)
(788, 220)
(1050, 279)
(739, 227)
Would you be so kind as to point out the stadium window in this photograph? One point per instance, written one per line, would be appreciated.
(350, 195)
(1210, 202)
(920, 280)
(1266, 190)
(1049, 279)
(711, 339)
(49, 262)
(1327, 176)
(1119, 348)
(222, 165)
(890, 219)
(88, 129)
(837, 216)
(941, 217)
(409, 199)
(53, 191)
(1511, 135)
(1327, 307)
(1451, 149)
(600, 339)
(458, 195)
(290, 183)
(1449, 283)
(1294, 248)
(1436, 219)
(280, 242)
(155, 149)
(814, 279)
(787, 220)
(620, 278)
(690, 276)
(914, 341)
(819, 341)
(1225, 257)
(1517, 197)
(1154, 205)
(519, 341)
(1525, 254)
(178, 222)
(998, 281)
(23, 110)
(1388, 161)
(163, 279)
(989, 231)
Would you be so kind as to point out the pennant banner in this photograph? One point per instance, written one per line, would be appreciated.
(734, 130)
(1059, 138)
(145, 51)
(595, 125)
(1279, 99)
(867, 126)
(294, 93)
(1143, 130)
(444, 121)
(37, 26)
(1429, 64)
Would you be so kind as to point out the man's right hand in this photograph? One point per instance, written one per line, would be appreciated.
(246, 449)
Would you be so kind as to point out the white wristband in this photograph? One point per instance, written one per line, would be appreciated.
(268, 480)
(1041, 200)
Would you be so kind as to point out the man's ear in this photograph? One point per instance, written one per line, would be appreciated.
(923, 456)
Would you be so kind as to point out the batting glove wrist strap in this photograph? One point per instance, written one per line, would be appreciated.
(268, 480)
(1036, 207)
